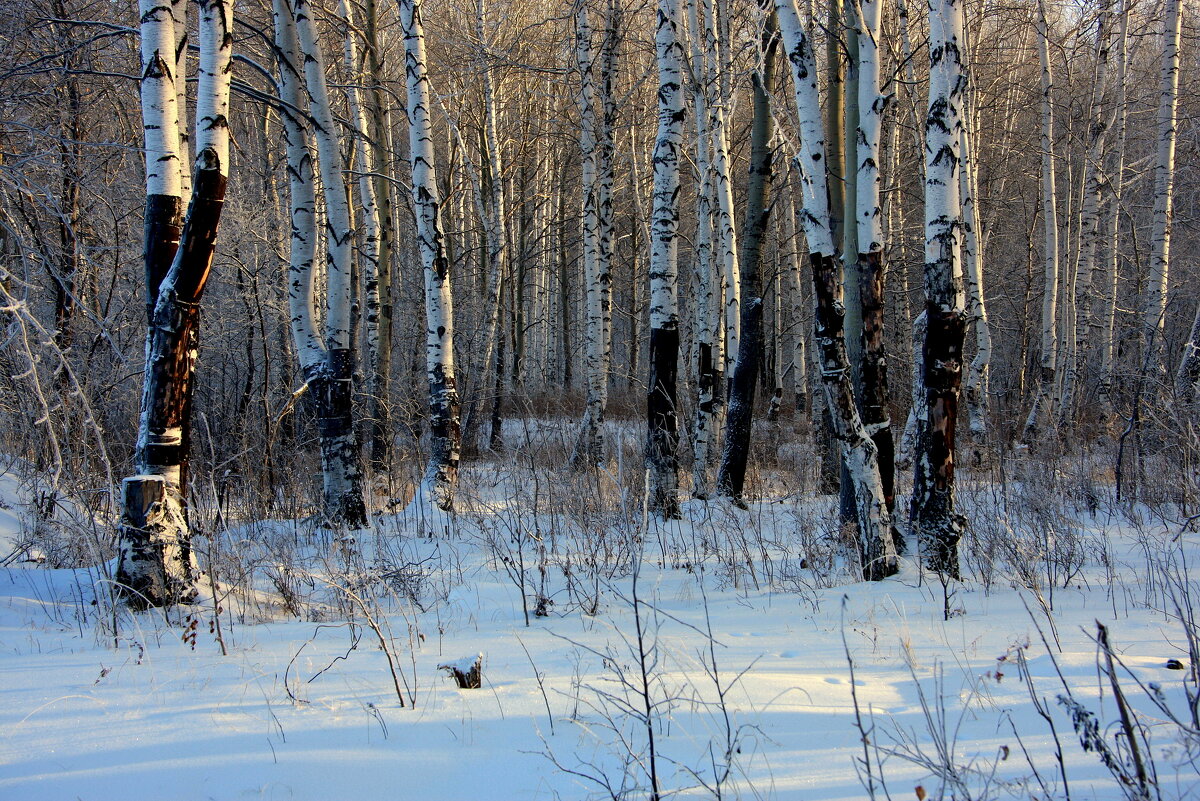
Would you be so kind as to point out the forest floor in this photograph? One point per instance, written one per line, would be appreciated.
(769, 671)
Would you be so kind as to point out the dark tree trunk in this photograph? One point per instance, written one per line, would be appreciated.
(874, 401)
(663, 420)
(332, 387)
(859, 453)
(731, 477)
(940, 527)
(158, 533)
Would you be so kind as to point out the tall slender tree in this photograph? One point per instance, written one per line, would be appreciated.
(155, 564)
(870, 269)
(1154, 308)
(441, 474)
(876, 546)
(662, 401)
(332, 380)
(1045, 388)
(939, 526)
(590, 449)
(735, 453)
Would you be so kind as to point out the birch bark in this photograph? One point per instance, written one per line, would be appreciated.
(1044, 388)
(1154, 309)
(661, 402)
(939, 526)
(441, 474)
(735, 453)
(155, 564)
(874, 399)
(332, 382)
(590, 448)
(876, 547)
(709, 353)
(1116, 182)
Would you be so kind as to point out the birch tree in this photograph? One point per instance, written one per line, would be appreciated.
(735, 453)
(331, 380)
(726, 240)
(1116, 185)
(155, 564)
(1154, 309)
(1089, 218)
(939, 526)
(871, 104)
(709, 345)
(661, 401)
(1044, 388)
(441, 474)
(590, 450)
(979, 371)
(876, 547)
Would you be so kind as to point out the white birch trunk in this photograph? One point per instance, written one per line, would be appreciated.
(365, 163)
(333, 382)
(1044, 390)
(709, 358)
(590, 450)
(159, 93)
(1117, 190)
(972, 256)
(441, 476)
(939, 526)
(726, 228)
(1089, 220)
(156, 565)
(662, 405)
(1155, 307)
(301, 277)
(877, 549)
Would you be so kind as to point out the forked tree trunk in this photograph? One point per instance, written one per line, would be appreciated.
(939, 526)
(726, 240)
(155, 564)
(662, 418)
(739, 418)
(441, 474)
(332, 381)
(876, 547)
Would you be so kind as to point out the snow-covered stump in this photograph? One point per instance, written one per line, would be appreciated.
(155, 566)
(466, 672)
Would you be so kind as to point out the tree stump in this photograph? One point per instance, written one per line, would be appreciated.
(467, 672)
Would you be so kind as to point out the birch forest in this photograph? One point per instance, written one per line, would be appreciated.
(595, 284)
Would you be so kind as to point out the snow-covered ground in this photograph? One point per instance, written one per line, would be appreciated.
(752, 624)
